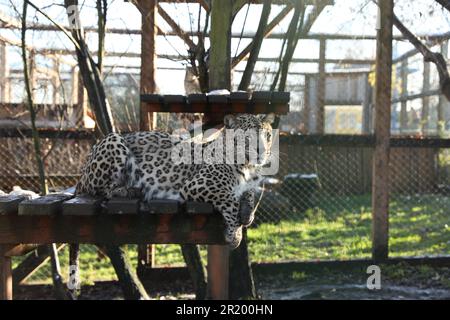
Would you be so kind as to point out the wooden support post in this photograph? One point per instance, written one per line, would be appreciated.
(218, 271)
(146, 255)
(6, 287)
(81, 113)
(56, 83)
(306, 106)
(424, 121)
(380, 183)
(367, 106)
(404, 93)
(4, 74)
(442, 114)
(148, 10)
(321, 89)
(74, 85)
(219, 78)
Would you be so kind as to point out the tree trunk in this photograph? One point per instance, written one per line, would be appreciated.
(58, 285)
(90, 73)
(131, 286)
(257, 41)
(242, 285)
(191, 255)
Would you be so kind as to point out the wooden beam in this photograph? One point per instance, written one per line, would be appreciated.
(442, 110)
(6, 284)
(275, 2)
(321, 89)
(21, 250)
(4, 74)
(272, 24)
(380, 183)
(114, 229)
(424, 123)
(176, 28)
(32, 263)
(404, 93)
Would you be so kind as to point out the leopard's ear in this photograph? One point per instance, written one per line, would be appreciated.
(229, 120)
(269, 118)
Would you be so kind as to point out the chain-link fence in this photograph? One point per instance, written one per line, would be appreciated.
(317, 207)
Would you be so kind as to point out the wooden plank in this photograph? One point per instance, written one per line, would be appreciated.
(380, 182)
(10, 204)
(47, 205)
(197, 102)
(20, 250)
(113, 229)
(32, 264)
(177, 29)
(6, 289)
(122, 206)
(161, 206)
(194, 207)
(46, 133)
(82, 205)
(175, 103)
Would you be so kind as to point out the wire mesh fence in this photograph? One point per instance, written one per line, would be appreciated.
(319, 204)
(317, 207)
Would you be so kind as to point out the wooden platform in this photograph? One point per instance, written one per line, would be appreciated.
(259, 102)
(63, 218)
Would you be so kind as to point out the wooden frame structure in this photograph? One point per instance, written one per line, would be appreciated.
(61, 218)
(154, 103)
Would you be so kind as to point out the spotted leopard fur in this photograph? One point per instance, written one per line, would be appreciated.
(143, 160)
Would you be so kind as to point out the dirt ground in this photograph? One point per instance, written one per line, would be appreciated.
(398, 282)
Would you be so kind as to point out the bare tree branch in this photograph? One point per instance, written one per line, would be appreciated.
(256, 46)
(291, 34)
(90, 74)
(429, 56)
(444, 3)
(58, 284)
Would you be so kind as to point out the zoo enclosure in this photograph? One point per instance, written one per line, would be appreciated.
(343, 166)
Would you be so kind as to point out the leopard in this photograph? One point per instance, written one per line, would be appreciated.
(146, 161)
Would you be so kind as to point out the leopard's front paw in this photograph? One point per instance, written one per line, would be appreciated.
(121, 192)
(233, 236)
(246, 212)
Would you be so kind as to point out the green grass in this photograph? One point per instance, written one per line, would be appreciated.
(338, 228)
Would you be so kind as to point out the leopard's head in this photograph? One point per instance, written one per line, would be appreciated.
(256, 131)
